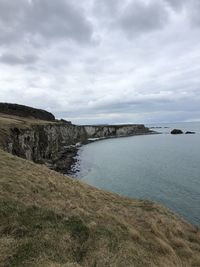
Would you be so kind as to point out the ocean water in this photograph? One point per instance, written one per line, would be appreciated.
(164, 168)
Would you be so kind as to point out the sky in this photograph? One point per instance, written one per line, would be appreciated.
(102, 61)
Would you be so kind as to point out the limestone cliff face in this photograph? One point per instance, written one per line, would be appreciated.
(103, 131)
(44, 142)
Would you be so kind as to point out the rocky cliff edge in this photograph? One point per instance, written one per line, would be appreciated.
(53, 142)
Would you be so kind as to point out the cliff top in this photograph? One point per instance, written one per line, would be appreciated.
(13, 120)
(113, 125)
(47, 219)
(26, 112)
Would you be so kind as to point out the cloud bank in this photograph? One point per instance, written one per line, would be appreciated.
(105, 61)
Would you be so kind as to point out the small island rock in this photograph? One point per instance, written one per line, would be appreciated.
(176, 131)
(189, 132)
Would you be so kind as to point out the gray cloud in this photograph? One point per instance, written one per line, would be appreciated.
(52, 19)
(106, 8)
(194, 11)
(139, 17)
(13, 59)
(36, 21)
(177, 4)
(191, 9)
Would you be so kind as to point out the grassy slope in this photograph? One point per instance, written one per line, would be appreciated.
(47, 219)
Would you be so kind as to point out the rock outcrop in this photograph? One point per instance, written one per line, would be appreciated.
(25, 111)
(189, 132)
(176, 131)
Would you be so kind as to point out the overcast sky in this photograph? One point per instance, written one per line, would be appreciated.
(102, 61)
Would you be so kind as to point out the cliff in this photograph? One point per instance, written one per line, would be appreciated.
(54, 142)
(105, 131)
(50, 220)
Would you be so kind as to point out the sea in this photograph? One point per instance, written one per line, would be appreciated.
(163, 168)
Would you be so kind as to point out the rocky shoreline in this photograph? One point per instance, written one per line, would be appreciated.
(67, 163)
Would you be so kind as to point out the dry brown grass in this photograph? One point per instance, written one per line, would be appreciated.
(47, 219)
(16, 120)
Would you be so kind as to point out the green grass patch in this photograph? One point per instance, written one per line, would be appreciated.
(38, 232)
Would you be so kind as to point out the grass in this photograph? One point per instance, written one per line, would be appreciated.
(47, 219)
(32, 226)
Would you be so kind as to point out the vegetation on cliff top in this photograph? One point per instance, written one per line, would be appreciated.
(25, 111)
(47, 219)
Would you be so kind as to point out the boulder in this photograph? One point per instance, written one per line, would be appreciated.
(176, 131)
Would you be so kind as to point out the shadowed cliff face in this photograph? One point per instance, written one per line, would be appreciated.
(44, 141)
(53, 144)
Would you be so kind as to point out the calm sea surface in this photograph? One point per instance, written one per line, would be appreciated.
(164, 168)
